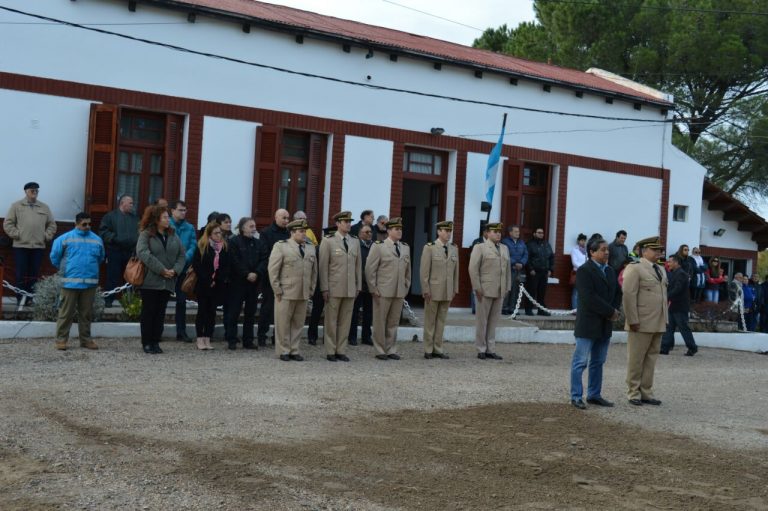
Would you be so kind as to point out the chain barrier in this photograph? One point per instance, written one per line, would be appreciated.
(410, 315)
(537, 304)
(739, 305)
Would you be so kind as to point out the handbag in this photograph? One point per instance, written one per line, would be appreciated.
(190, 281)
(135, 271)
(572, 279)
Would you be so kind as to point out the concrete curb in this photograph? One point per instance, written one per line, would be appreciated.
(740, 341)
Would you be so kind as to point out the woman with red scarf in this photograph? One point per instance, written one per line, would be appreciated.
(212, 263)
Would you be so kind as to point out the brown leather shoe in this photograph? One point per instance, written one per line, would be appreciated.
(61, 345)
(89, 345)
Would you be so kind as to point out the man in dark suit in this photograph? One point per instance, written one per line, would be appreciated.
(364, 299)
(599, 299)
(679, 307)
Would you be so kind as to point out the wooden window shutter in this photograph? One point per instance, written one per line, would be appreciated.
(316, 181)
(174, 129)
(100, 170)
(265, 174)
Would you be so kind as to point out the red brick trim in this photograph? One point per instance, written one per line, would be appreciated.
(194, 161)
(337, 175)
(396, 196)
(458, 201)
(664, 218)
(730, 253)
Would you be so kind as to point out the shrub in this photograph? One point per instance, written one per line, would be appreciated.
(711, 314)
(46, 305)
(131, 302)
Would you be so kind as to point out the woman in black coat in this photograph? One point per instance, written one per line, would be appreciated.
(249, 260)
(212, 263)
(599, 298)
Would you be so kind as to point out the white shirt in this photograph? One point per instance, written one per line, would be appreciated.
(577, 257)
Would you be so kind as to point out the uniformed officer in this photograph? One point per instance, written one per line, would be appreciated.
(340, 280)
(388, 271)
(489, 272)
(645, 307)
(293, 276)
(439, 275)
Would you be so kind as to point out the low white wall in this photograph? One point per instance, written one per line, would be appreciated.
(227, 167)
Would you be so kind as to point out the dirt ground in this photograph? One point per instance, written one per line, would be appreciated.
(116, 429)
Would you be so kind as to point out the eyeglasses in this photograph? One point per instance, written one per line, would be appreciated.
(539, 232)
(85, 224)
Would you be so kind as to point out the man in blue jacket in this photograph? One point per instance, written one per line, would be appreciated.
(186, 232)
(77, 255)
(518, 258)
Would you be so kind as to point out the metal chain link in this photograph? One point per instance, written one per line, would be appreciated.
(409, 313)
(537, 304)
(739, 303)
(105, 294)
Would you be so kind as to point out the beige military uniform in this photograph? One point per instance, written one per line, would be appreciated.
(439, 276)
(490, 274)
(389, 279)
(645, 303)
(293, 279)
(341, 276)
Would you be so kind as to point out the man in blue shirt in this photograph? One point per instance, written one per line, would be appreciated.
(186, 232)
(77, 255)
(518, 258)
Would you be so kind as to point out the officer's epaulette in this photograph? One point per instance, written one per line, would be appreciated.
(282, 241)
(379, 242)
(404, 243)
(352, 236)
(454, 244)
(635, 261)
(430, 243)
(329, 235)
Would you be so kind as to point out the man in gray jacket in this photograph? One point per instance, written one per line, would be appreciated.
(120, 231)
(30, 224)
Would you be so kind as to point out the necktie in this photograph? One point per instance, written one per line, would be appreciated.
(397, 249)
(498, 250)
(445, 247)
(301, 249)
(346, 247)
(658, 271)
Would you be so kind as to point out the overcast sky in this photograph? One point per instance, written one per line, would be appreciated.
(400, 15)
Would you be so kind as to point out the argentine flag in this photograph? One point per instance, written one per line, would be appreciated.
(493, 165)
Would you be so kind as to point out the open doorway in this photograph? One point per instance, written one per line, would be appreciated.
(422, 207)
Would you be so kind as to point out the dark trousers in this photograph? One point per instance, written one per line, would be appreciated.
(153, 305)
(238, 295)
(511, 299)
(679, 321)
(536, 285)
(318, 304)
(28, 261)
(751, 319)
(764, 320)
(365, 300)
(181, 303)
(205, 321)
(117, 260)
(267, 312)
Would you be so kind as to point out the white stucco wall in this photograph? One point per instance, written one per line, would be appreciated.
(607, 202)
(88, 57)
(733, 238)
(474, 194)
(367, 180)
(226, 175)
(43, 139)
(686, 179)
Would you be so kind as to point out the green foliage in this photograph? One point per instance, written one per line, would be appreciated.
(711, 55)
(131, 302)
(762, 264)
(46, 305)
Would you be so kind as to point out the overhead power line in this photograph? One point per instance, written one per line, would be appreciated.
(329, 78)
(433, 15)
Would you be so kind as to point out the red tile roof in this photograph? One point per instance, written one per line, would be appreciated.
(427, 46)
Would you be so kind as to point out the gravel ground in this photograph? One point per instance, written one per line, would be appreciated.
(118, 429)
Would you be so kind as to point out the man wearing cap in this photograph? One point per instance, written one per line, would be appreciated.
(30, 224)
(439, 275)
(388, 271)
(340, 281)
(293, 276)
(489, 271)
(645, 307)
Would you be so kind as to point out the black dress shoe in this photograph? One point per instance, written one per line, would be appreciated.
(494, 356)
(148, 349)
(343, 358)
(636, 402)
(544, 313)
(312, 342)
(285, 358)
(249, 346)
(331, 358)
(578, 403)
(394, 356)
(297, 358)
(382, 357)
(654, 402)
(440, 355)
(529, 313)
(690, 353)
(367, 342)
(352, 342)
(183, 337)
(232, 345)
(481, 356)
(506, 312)
(599, 402)
(262, 342)
(428, 355)
(663, 352)
(156, 348)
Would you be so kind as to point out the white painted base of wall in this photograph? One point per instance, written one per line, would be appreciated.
(740, 341)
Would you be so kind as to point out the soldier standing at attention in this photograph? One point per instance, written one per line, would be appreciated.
(388, 271)
(489, 272)
(340, 281)
(293, 276)
(439, 272)
(645, 307)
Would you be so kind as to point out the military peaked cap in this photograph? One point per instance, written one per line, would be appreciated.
(445, 224)
(652, 242)
(301, 223)
(498, 226)
(395, 222)
(342, 215)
